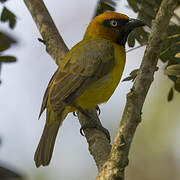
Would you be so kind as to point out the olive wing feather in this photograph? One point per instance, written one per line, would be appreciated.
(85, 63)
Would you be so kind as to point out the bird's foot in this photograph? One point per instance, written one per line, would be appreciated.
(98, 110)
(93, 123)
(42, 41)
(96, 126)
(75, 114)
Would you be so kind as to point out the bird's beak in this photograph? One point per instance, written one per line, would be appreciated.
(133, 23)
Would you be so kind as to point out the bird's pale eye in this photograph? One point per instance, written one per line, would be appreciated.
(113, 23)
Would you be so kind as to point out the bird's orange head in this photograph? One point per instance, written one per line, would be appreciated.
(112, 26)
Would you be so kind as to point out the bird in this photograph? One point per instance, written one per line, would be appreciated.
(87, 76)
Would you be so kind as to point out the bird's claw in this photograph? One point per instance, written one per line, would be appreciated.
(99, 127)
(75, 114)
(98, 110)
(42, 41)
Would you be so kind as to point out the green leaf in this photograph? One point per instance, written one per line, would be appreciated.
(104, 5)
(134, 5)
(153, 3)
(7, 59)
(2, 1)
(170, 53)
(177, 55)
(7, 174)
(170, 95)
(131, 39)
(177, 84)
(173, 70)
(5, 41)
(7, 15)
(140, 35)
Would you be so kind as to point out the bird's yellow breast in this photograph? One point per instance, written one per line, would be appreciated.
(101, 90)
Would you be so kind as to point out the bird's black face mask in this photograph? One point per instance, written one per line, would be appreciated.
(127, 28)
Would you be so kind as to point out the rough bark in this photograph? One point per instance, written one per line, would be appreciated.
(99, 146)
(114, 167)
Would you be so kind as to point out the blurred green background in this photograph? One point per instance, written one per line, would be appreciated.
(154, 154)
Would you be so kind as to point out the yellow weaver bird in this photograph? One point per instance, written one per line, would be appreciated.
(87, 76)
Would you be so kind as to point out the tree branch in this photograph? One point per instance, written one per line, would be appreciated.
(99, 145)
(55, 45)
(114, 167)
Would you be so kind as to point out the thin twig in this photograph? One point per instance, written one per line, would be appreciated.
(135, 48)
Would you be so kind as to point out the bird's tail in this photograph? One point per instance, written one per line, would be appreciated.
(45, 147)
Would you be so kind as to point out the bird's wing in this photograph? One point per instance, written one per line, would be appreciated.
(45, 98)
(84, 64)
